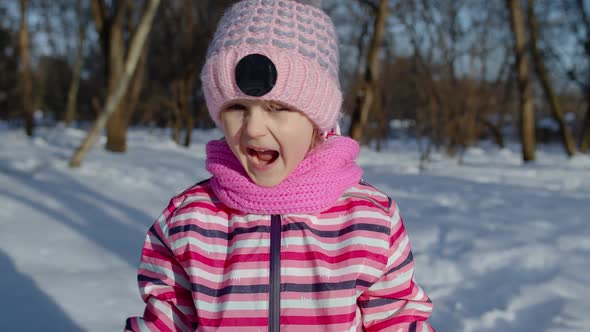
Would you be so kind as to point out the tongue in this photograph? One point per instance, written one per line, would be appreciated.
(266, 156)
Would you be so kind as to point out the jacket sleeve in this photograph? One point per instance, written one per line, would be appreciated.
(163, 285)
(395, 302)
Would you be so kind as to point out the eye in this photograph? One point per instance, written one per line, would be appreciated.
(236, 107)
(280, 108)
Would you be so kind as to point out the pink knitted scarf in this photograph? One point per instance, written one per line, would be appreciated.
(319, 180)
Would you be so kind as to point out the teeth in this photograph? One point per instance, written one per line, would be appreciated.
(259, 150)
(263, 155)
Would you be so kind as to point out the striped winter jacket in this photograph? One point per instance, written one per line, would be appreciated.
(206, 267)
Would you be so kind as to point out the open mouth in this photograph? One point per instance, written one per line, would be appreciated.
(263, 156)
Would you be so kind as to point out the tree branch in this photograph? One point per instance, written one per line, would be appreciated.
(99, 14)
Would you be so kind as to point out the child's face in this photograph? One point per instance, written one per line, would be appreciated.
(269, 140)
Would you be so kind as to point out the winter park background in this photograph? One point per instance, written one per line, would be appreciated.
(499, 246)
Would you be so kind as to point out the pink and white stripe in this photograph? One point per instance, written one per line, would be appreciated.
(205, 267)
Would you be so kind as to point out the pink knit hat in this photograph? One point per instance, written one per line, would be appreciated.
(280, 50)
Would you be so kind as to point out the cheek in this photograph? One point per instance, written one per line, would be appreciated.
(298, 142)
(295, 123)
(305, 133)
(231, 129)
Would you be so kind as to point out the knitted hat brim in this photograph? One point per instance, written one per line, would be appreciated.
(303, 85)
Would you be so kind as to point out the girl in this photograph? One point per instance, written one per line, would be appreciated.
(285, 236)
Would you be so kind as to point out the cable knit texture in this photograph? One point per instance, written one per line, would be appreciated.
(315, 185)
(298, 38)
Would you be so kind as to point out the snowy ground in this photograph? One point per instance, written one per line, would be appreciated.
(499, 246)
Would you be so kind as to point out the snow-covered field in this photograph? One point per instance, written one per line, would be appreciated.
(499, 246)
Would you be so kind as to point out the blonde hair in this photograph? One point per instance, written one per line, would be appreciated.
(316, 139)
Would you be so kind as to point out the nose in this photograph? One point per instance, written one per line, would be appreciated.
(255, 122)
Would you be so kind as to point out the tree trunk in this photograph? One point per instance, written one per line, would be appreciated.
(495, 130)
(585, 135)
(188, 79)
(117, 130)
(115, 62)
(186, 86)
(119, 121)
(380, 120)
(526, 106)
(190, 124)
(361, 112)
(113, 99)
(541, 70)
(136, 85)
(176, 130)
(27, 76)
(112, 29)
(355, 86)
(75, 84)
(585, 140)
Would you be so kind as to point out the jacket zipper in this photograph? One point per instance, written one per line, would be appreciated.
(274, 303)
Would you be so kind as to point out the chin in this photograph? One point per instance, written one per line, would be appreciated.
(268, 183)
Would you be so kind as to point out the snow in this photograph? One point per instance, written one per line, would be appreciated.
(499, 246)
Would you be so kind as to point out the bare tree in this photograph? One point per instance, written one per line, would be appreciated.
(460, 90)
(114, 24)
(353, 44)
(10, 99)
(77, 68)
(541, 70)
(492, 100)
(448, 85)
(491, 103)
(585, 136)
(136, 49)
(26, 73)
(186, 27)
(434, 32)
(183, 84)
(430, 101)
(526, 106)
(368, 90)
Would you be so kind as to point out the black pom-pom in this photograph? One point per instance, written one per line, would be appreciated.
(256, 75)
(315, 3)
